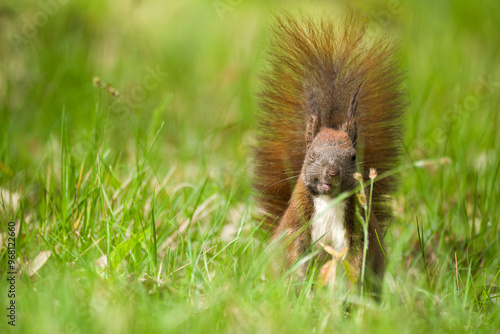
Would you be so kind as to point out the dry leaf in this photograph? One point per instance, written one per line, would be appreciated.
(445, 161)
(38, 262)
(329, 249)
(327, 273)
(101, 262)
(9, 199)
(342, 253)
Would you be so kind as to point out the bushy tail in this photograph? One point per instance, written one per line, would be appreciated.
(315, 66)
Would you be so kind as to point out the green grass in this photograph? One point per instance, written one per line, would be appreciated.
(144, 199)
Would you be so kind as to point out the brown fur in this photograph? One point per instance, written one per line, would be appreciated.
(315, 67)
(329, 92)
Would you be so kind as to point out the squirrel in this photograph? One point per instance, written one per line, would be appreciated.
(331, 104)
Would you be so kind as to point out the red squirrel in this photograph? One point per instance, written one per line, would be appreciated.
(332, 104)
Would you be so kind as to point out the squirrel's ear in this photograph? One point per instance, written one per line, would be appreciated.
(311, 130)
(350, 124)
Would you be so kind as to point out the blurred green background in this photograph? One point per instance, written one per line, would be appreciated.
(143, 199)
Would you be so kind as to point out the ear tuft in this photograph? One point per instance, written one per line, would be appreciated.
(312, 129)
(350, 124)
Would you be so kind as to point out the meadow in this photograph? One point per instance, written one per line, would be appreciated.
(125, 165)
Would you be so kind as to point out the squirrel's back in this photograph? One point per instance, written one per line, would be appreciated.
(315, 66)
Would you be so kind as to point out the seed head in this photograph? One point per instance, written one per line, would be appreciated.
(358, 176)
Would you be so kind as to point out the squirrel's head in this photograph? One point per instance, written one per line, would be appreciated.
(330, 160)
(330, 163)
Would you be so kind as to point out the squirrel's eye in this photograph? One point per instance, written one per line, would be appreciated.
(354, 157)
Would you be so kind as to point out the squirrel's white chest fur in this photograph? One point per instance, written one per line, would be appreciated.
(327, 224)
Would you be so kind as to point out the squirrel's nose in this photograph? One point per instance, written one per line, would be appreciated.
(332, 172)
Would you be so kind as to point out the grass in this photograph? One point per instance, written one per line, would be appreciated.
(144, 201)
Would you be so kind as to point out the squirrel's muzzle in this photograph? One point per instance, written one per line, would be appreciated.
(329, 183)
